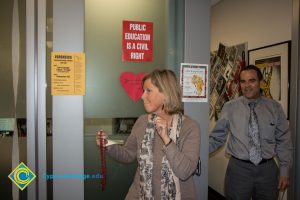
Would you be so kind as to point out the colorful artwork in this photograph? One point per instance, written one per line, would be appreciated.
(226, 64)
(270, 68)
(198, 83)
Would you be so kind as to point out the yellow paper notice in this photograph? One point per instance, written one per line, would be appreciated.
(67, 73)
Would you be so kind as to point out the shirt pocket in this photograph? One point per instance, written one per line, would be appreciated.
(268, 131)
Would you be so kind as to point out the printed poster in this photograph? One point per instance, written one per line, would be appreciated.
(137, 41)
(67, 73)
(193, 79)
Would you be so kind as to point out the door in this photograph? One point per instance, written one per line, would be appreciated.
(107, 105)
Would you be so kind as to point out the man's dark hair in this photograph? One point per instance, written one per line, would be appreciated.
(253, 67)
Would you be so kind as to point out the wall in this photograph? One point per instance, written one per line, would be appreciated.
(196, 50)
(258, 22)
(68, 109)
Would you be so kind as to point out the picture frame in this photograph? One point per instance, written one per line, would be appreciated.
(274, 61)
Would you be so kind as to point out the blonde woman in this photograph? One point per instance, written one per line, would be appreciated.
(165, 143)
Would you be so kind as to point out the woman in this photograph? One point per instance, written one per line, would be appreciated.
(165, 143)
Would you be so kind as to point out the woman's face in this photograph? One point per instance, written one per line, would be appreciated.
(153, 99)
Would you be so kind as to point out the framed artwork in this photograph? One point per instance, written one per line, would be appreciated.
(274, 62)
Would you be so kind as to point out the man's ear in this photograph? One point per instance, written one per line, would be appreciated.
(261, 84)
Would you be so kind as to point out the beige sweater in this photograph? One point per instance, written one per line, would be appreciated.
(183, 159)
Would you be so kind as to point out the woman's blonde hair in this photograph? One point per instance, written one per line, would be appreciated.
(166, 82)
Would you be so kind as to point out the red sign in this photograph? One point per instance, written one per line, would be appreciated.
(137, 41)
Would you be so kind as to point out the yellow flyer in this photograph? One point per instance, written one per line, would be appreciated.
(67, 73)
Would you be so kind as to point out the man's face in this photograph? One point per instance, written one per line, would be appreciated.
(250, 84)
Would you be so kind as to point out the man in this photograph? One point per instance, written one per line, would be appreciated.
(258, 131)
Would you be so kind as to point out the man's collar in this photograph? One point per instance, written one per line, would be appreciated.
(247, 101)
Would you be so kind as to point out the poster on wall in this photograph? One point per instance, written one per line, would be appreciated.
(193, 80)
(226, 64)
(137, 41)
(67, 73)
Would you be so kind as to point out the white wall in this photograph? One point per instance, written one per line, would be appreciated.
(258, 22)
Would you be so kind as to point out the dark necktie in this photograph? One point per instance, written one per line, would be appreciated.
(254, 142)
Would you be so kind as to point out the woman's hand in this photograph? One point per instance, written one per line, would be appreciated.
(101, 136)
(161, 126)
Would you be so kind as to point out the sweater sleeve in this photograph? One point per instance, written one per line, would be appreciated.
(184, 162)
(127, 153)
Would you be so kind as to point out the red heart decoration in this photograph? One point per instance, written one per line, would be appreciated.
(132, 84)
